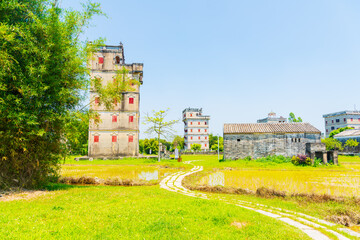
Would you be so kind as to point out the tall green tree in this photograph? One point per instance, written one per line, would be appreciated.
(76, 132)
(43, 74)
(178, 142)
(158, 125)
(150, 144)
(292, 118)
(214, 147)
(213, 142)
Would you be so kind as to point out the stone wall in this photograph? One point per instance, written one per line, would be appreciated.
(237, 146)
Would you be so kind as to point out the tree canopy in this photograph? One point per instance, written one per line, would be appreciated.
(332, 144)
(43, 72)
(159, 126)
(292, 118)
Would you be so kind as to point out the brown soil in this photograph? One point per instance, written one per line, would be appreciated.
(12, 196)
(239, 224)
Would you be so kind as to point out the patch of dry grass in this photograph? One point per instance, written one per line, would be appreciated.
(110, 181)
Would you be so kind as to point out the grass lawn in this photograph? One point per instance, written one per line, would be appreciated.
(148, 212)
(102, 212)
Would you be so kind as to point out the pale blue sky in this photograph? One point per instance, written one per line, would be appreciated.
(239, 60)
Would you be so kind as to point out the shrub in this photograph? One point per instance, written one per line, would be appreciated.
(248, 158)
(317, 162)
(301, 160)
(274, 159)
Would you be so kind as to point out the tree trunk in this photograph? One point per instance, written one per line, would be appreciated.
(159, 147)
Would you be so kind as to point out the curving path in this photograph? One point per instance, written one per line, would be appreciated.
(308, 224)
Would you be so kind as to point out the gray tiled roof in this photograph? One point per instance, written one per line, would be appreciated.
(348, 133)
(270, 128)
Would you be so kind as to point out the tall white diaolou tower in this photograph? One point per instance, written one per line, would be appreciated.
(196, 128)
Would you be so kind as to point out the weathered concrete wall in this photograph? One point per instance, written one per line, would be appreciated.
(124, 131)
(123, 121)
(106, 147)
(260, 145)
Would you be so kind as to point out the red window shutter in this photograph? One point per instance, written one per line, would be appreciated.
(114, 118)
(205, 123)
(198, 130)
(184, 115)
(114, 138)
(205, 145)
(205, 138)
(131, 100)
(115, 101)
(96, 138)
(131, 138)
(198, 123)
(191, 138)
(199, 138)
(190, 115)
(190, 123)
(97, 100)
(131, 118)
(101, 60)
(351, 119)
(190, 130)
(205, 130)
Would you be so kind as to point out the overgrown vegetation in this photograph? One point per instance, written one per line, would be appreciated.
(43, 70)
(332, 144)
(196, 147)
(301, 160)
(337, 131)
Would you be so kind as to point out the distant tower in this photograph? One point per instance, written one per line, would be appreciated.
(117, 134)
(272, 118)
(196, 128)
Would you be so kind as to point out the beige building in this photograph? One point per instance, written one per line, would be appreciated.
(117, 134)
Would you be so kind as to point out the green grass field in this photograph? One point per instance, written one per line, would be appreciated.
(100, 212)
(149, 212)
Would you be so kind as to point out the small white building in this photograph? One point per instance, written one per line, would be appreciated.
(272, 118)
(196, 128)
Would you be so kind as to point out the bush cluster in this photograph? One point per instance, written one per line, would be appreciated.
(301, 160)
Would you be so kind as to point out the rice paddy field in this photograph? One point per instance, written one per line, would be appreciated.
(336, 181)
(136, 170)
